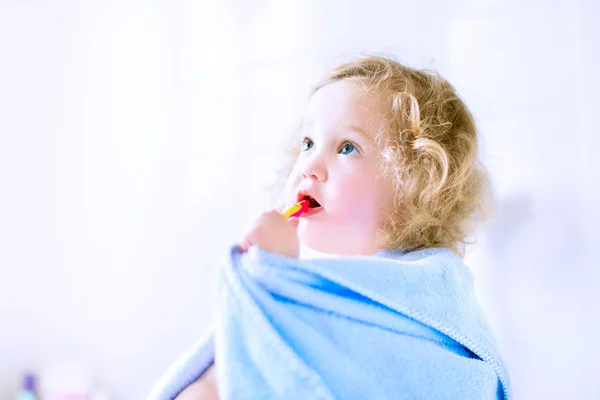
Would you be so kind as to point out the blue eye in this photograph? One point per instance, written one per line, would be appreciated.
(348, 148)
(307, 144)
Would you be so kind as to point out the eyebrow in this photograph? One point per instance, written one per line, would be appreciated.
(358, 130)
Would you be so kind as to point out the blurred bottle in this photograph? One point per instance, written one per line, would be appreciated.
(28, 390)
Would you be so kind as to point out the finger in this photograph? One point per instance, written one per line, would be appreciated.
(294, 221)
(245, 245)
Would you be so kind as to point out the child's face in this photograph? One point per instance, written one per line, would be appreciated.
(338, 167)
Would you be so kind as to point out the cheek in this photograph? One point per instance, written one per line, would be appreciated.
(287, 191)
(360, 198)
(291, 184)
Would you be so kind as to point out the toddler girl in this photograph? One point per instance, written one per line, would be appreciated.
(387, 157)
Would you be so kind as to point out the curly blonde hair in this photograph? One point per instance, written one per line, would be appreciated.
(428, 148)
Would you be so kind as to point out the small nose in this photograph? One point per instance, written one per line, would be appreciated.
(314, 168)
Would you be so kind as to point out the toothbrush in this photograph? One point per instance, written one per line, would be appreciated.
(295, 210)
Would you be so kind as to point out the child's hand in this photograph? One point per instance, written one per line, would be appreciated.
(274, 233)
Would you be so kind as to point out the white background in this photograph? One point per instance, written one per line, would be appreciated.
(136, 139)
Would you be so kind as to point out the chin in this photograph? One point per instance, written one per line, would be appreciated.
(324, 243)
(316, 239)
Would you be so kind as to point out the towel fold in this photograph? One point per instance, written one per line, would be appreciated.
(391, 326)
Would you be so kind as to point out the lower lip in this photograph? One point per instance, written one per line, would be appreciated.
(311, 211)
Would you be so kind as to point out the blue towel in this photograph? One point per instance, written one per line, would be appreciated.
(391, 326)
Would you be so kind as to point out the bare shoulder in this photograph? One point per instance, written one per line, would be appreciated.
(204, 388)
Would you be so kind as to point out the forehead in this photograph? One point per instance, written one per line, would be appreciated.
(344, 103)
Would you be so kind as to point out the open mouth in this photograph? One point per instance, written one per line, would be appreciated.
(312, 203)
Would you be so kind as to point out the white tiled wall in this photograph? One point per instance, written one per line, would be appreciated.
(136, 139)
